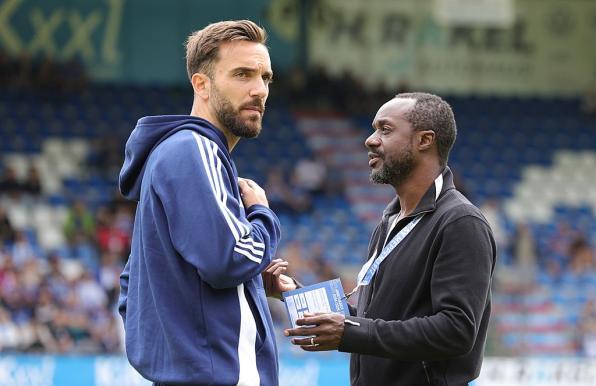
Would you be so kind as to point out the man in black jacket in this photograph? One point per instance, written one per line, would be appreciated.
(424, 294)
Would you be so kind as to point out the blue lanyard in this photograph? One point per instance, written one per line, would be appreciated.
(370, 268)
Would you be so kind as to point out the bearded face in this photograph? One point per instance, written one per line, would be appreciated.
(393, 170)
(245, 121)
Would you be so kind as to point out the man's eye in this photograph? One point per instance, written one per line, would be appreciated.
(242, 75)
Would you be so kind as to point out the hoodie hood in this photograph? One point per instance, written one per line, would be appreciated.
(150, 132)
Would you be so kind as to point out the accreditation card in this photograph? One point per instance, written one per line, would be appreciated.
(327, 296)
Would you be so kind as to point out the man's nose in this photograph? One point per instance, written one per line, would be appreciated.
(260, 89)
(372, 141)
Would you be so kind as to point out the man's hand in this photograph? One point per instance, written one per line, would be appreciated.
(324, 331)
(251, 193)
(274, 281)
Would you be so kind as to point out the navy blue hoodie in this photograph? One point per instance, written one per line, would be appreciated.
(192, 297)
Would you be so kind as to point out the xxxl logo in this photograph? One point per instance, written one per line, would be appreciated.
(62, 32)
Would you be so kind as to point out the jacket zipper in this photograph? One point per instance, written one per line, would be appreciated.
(426, 372)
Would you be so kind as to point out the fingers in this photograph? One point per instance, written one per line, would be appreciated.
(313, 340)
(301, 331)
(319, 324)
(310, 318)
(245, 185)
(321, 331)
(276, 264)
(242, 184)
(247, 182)
(277, 267)
(279, 271)
(251, 193)
(319, 347)
(308, 341)
(316, 343)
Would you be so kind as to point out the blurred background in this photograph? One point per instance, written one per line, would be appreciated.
(520, 75)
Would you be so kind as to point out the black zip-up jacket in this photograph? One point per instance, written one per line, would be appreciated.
(423, 319)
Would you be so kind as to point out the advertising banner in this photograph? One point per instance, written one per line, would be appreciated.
(548, 48)
(129, 41)
(313, 369)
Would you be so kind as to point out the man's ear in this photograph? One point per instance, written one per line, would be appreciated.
(201, 85)
(426, 139)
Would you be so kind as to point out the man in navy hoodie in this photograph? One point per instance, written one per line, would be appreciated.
(192, 296)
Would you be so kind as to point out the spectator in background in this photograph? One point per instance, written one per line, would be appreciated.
(25, 71)
(310, 175)
(90, 294)
(79, 230)
(32, 183)
(29, 278)
(105, 156)
(10, 184)
(460, 185)
(23, 250)
(72, 323)
(80, 222)
(581, 256)
(72, 75)
(559, 245)
(46, 309)
(525, 249)
(110, 238)
(48, 79)
(283, 197)
(7, 232)
(299, 261)
(109, 274)
(492, 211)
(587, 329)
(124, 216)
(9, 332)
(588, 103)
(17, 294)
(6, 68)
(104, 332)
(56, 280)
(278, 192)
(320, 264)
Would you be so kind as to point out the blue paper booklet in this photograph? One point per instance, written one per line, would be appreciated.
(327, 296)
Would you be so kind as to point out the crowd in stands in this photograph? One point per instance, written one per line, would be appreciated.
(293, 191)
(318, 90)
(13, 186)
(62, 300)
(41, 74)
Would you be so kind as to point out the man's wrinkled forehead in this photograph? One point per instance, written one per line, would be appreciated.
(394, 109)
(243, 53)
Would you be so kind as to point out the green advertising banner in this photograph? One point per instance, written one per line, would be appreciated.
(550, 48)
(124, 40)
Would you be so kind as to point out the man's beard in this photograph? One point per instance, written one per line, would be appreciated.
(396, 171)
(230, 117)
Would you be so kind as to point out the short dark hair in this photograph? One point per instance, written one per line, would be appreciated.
(202, 46)
(431, 112)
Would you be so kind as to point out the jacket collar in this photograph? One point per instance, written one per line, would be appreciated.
(428, 203)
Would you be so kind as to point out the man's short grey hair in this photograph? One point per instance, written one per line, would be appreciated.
(431, 112)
